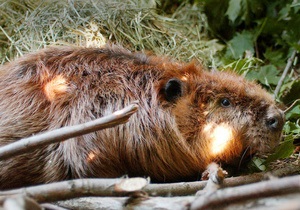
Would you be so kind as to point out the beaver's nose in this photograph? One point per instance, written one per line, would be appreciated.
(275, 121)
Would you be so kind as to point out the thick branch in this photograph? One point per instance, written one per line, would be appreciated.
(72, 189)
(117, 203)
(61, 134)
(241, 193)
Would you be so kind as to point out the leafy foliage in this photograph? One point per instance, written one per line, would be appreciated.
(284, 150)
(291, 91)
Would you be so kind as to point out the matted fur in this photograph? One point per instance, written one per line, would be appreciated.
(166, 140)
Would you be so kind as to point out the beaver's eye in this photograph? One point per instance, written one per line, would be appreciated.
(225, 102)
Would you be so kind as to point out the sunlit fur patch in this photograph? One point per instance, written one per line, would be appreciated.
(91, 156)
(184, 78)
(55, 87)
(223, 141)
(222, 136)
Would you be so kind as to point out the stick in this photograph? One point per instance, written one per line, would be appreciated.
(215, 175)
(287, 68)
(291, 106)
(190, 188)
(73, 189)
(117, 203)
(241, 193)
(61, 134)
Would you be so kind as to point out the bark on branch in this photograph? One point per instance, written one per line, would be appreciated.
(74, 188)
(241, 193)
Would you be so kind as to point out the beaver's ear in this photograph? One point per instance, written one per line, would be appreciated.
(173, 89)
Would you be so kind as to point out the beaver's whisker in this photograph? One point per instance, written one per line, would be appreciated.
(243, 156)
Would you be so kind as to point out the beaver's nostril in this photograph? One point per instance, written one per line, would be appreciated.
(275, 122)
(272, 123)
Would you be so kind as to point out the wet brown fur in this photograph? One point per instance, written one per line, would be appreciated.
(165, 140)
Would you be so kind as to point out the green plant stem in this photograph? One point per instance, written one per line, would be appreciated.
(291, 106)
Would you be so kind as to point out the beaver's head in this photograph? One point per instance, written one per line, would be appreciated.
(222, 115)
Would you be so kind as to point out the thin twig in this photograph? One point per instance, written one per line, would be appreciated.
(286, 70)
(61, 134)
(257, 190)
(291, 106)
(215, 175)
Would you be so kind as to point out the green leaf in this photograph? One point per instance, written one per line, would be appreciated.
(234, 9)
(284, 150)
(290, 92)
(291, 128)
(294, 113)
(276, 57)
(242, 66)
(259, 163)
(239, 44)
(284, 12)
(296, 6)
(268, 75)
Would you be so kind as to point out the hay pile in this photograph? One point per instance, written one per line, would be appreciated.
(28, 25)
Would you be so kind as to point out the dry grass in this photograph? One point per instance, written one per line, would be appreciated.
(27, 25)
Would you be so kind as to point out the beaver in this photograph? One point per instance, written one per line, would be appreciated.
(188, 116)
